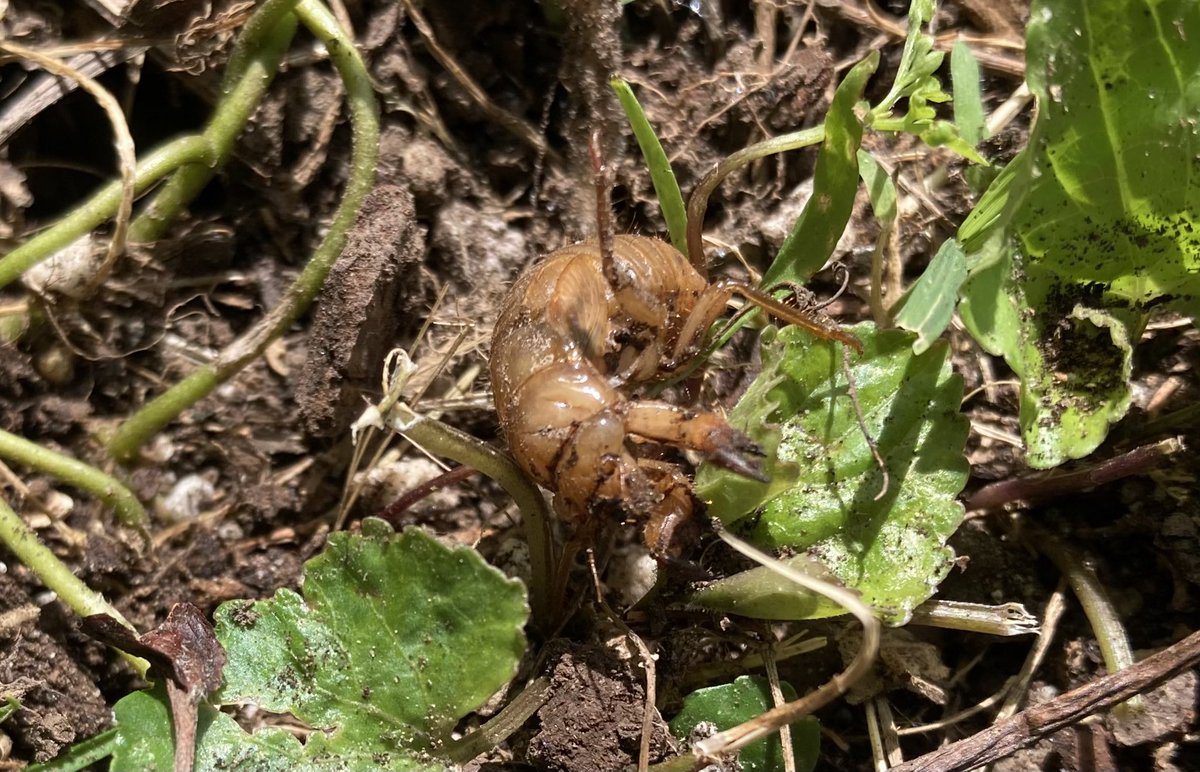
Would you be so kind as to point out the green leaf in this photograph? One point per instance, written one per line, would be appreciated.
(145, 742)
(762, 593)
(916, 80)
(969, 114)
(880, 188)
(1103, 217)
(1000, 203)
(835, 183)
(824, 480)
(10, 706)
(728, 705)
(396, 639)
(930, 303)
(670, 199)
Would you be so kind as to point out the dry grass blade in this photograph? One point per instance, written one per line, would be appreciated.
(517, 126)
(742, 735)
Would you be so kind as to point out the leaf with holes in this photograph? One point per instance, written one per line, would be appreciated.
(824, 498)
(1098, 221)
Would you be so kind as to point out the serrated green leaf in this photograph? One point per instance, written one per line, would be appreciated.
(728, 705)
(835, 184)
(892, 550)
(930, 303)
(1103, 216)
(397, 638)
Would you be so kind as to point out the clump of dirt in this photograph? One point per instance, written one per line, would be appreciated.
(593, 719)
(59, 701)
(360, 311)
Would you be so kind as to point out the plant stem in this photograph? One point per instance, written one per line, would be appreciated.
(74, 472)
(364, 120)
(260, 49)
(100, 207)
(1102, 616)
(501, 726)
(698, 202)
(24, 543)
(443, 440)
(1004, 619)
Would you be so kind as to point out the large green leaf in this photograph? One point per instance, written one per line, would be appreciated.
(823, 498)
(1104, 213)
(397, 637)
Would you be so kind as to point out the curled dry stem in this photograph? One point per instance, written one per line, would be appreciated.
(698, 201)
(710, 749)
(364, 120)
(122, 142)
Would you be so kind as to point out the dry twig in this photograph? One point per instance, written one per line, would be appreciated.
(122, 141)
(1027, 727)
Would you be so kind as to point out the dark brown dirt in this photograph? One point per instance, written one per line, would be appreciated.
(43, 670)
(244, 485)
(593, 719)
(360, 310)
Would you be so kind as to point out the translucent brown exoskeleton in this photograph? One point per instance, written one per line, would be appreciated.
(578, 334)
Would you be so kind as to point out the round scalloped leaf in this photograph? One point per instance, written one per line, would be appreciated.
(889, 547)
(395, 640)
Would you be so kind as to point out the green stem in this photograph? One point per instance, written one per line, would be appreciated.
(100, 207)
(443, 440)
(1102, 616)
(364, 120)
(501, 726)
(83, 600)
(698, 202)
(253, 65)
(73, 472)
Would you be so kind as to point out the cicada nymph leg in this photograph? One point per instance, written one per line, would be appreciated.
(712, 302)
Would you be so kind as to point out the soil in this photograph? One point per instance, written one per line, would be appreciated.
(245, 485)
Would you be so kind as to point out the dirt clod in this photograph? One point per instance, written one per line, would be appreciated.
(593, 719)
(360, 310)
